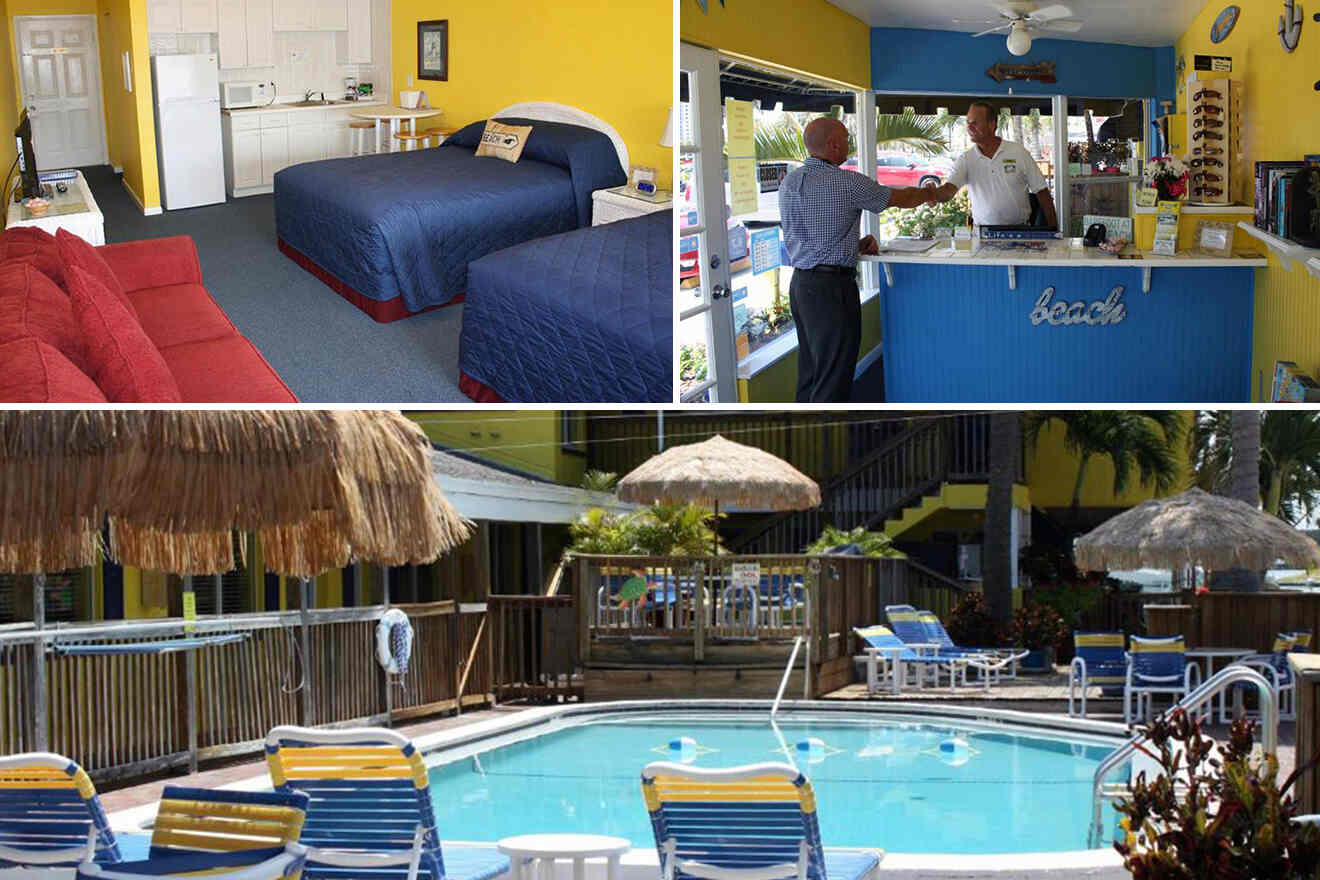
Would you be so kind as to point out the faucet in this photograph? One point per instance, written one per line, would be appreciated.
(307, 98)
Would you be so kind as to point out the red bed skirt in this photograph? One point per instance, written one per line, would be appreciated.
(478, 391)
(382, 311)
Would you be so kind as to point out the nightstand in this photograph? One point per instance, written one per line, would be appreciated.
(608, 205)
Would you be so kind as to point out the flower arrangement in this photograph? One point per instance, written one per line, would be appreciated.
(1168, 174)
(1038, 626)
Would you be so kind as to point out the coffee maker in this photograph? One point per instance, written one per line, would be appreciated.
(350, 88)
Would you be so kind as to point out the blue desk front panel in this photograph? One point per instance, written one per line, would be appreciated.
(958, 334)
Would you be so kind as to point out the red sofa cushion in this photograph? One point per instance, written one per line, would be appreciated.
(153, 262)
(180, 313)
(77, 253)
(28, 244)
(35, 372)
(120, 357)
(32, 306)
(225, 370)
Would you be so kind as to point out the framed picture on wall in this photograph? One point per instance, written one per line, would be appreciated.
(433, 49)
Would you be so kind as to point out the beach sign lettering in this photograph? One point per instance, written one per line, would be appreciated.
(1109, 310)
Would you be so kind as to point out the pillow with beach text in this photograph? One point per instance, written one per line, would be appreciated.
(503, 141)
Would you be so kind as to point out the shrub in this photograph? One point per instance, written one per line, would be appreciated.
(1037, 626)
(1232, 820)
(923, 220)
(872, 543)
(970, 623)
(658, 530)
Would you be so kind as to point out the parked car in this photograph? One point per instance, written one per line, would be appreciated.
(906, 170)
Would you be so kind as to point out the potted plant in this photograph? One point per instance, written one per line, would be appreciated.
(1038, 628)
(1168, 174)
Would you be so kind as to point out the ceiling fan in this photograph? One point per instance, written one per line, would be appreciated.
(1023, 20)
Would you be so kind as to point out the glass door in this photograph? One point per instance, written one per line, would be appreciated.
(707, 358)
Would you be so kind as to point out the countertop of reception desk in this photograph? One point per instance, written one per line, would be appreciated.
(1060, 253)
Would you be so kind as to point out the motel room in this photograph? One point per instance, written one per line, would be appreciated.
(1164, 242)
(336, 201)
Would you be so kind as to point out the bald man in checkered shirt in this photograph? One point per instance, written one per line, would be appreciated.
(820, 212)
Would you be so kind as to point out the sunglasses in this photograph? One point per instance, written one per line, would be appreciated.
(1206, 93)
(1208, 190)
(1207, 108)
(1213, 135)
(1208, 175)
(1209, 151)
(1208, 123)
(1196, 163)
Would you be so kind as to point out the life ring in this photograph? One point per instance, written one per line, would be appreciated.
(394, 641)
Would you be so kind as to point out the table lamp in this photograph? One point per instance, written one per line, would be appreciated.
(667, 139)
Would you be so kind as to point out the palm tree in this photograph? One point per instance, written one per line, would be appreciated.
(1138, 443)
(1288, 461)
(599, 481)
(997, 551)
(782, 141)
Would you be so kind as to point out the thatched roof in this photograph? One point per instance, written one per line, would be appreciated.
(319, 487)
(1194, 528)
(719, 471)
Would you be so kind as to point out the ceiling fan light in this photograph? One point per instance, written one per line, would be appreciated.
(1019, 41)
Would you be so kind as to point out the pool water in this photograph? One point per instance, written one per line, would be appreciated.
(905, 787)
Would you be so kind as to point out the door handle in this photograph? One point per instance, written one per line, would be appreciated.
(719, 291)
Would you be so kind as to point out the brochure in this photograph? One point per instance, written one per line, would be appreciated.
(1166, 228)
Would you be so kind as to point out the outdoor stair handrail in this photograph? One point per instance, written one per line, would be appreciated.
(1216, 684)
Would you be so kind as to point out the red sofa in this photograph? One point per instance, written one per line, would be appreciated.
(46, 354)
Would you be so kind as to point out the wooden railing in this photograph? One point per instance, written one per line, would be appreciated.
(535, 646)
(1238, 620)
(129, 714)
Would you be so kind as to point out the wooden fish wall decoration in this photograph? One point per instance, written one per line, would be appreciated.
(1042, 72)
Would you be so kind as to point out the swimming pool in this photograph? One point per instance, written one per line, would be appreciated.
(914, 785)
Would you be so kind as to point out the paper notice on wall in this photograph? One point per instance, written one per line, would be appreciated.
(746, 574)
(741, 126)
(744, 192)
(189, 610)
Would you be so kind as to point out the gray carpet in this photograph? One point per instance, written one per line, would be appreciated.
(324, 348)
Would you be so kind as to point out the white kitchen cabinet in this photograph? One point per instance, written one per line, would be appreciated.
(197, 16)
(354, 45)
(246, 159)
(331, 15)
(339, 138)
(164, 16)
(260, 33)
(307, 142)
(294, 15)
(274, 153)
(232, 34)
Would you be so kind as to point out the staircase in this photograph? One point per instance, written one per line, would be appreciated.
(900, 473)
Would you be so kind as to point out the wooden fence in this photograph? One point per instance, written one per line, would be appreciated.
(536, 647)
(127, 714)
(1237, 620)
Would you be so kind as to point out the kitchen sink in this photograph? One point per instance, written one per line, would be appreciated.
(312, 103)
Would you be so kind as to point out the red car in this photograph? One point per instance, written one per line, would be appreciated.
(905, 170)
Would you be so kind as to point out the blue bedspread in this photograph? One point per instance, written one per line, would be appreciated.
(583, 316)
(407, 224)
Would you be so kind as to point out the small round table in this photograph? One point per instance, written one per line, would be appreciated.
(1207, 656)
(545, 848)
(384, 113)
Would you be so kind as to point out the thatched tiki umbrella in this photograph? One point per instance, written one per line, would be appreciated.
(719, 471)
(1194, 528)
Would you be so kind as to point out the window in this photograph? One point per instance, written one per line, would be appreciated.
(234, 595)
(68, 597)
(572, 432)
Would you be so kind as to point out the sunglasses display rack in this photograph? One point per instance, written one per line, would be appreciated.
(1214, 142)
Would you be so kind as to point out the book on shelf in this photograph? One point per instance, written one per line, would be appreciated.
(1266, 191)
(1167, 215)
(1291, 385)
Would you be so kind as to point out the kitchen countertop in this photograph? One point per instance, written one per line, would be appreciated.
(289, 108)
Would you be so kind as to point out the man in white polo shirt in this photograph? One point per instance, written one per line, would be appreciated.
(998, 173)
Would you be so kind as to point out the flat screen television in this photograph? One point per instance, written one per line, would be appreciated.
(27, 160)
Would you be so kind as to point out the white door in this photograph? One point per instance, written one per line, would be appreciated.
(705, 313)
(60, 77)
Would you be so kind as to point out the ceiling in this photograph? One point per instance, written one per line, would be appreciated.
(1134, 22)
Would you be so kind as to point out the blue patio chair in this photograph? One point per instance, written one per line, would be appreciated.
(1099, 659)
(370, 806)
(1157, 666)
(756, 822)
(1301, 640)
(1274, 666)
(50, 815)
(935, 632)
(236, 835)
(909, 626)
(888, 659)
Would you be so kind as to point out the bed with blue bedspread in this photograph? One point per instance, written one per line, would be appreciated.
(394, 233)
(582, 316)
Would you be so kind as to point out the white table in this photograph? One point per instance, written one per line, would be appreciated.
(75, 211)
(545, 848)
(394, 115)
(620, 203)
(1207, 656)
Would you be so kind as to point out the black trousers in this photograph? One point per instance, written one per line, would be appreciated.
(827, 310)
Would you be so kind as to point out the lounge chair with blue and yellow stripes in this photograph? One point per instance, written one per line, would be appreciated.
(50, 815)
(370, 814)
(1156, 666)
(205, 832)
(1098, 659)
(756, 822)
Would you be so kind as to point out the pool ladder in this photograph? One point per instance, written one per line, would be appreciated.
(1215, 685)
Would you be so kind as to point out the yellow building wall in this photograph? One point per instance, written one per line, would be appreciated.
(523, 439)
(1052, 470)
(614, 60)
(778, 382)
(810, 36)
(1286, 324)
(8, 74)
(1143, 231)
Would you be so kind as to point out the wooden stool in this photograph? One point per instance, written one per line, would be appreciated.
(413, 141)
(440, 134)
(359, 131)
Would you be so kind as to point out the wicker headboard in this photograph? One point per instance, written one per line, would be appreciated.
(551, 112)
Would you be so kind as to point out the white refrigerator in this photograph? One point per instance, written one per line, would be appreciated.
(188, 143)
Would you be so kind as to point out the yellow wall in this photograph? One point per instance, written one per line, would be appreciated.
(1052, 470)
(130, 128)
(614, 60)
(8, 75)
(1143, 231)
(778, 382)
(1286, 325)
(528, 441)
(810, 36)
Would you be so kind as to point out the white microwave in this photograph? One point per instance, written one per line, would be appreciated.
(246, 94)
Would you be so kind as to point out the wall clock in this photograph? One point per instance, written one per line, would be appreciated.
(1223, 25)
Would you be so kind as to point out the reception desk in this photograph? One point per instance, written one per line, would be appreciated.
(1065, 325)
